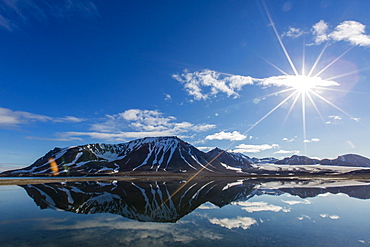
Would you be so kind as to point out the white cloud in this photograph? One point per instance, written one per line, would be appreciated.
(232, 136)
(147, 121)
(117, 136)
(10, 118)
(69, 119)
(203, 127)
(292, 80)
(287, 152)
(320, 30)
(251, 207)
(66, 139)
(167, 97)
(290, 140)
(208, 83)
(334, 120)
(349, 31)
(248, 148)
(335, 117)
(311, 140)
(352, 32)
(293, 32)
(216, 82)
(240, 222)
(135, 123)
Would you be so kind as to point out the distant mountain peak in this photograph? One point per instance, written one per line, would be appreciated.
(216, 149)
(297, 160)
(151, 154)
(164, 155)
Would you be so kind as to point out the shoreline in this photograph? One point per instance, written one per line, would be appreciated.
(42, 180)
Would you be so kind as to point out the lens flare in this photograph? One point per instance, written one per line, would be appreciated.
(53, 166)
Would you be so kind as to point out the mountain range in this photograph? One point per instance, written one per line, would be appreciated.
(171, 155)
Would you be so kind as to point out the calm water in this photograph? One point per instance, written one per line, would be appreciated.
(182, 213)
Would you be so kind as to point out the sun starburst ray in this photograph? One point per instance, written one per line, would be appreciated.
(276, 67)
(275, 93)
(318, 59)
(332, 104)
(303, 58)
(347, 74)
(315, 107)
(303, 97)
(341, 90)
(271, 111)
(279, 39)
(334, 61)
(297, 94)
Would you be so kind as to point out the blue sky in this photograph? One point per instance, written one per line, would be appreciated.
(239, 75)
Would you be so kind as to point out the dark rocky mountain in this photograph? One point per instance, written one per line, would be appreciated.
(170, 155)
(231, 159)
(161, 154)
(170, 200)
(353, 160)
(348, 160)
(297, 160)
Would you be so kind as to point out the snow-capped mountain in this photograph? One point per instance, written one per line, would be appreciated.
(171, 155)
(159, 154)
(348, 160)
(268, 160)
(352, 160)
(297, 160)
(231, 159)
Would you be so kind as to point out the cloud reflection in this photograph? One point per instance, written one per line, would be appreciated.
(207, 206)
(251, 207)
(239, 222)
(296, 202)
(140, 234)
(333, 217)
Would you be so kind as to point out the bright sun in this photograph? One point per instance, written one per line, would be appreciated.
(301, 85)
(306, 83)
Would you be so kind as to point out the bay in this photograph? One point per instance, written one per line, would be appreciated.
(191, 212)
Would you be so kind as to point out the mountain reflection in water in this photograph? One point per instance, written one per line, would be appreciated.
(170, 200)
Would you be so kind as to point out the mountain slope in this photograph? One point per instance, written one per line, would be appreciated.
(160, 154)
(170, 155)
(348, 160)
(231, 159)
(352, 160)
(298, 160)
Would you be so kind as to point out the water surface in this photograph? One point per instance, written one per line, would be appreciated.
(228, 212)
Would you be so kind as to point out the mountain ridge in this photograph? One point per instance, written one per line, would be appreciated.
(167, 155)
